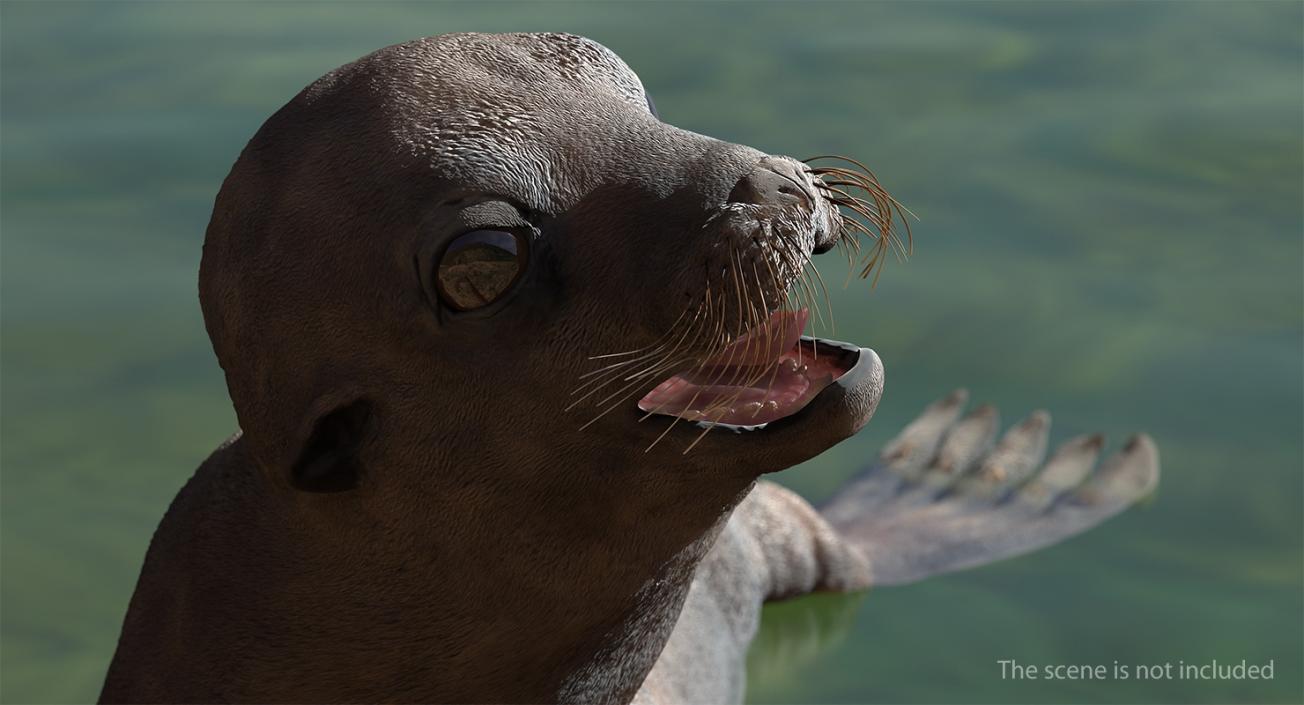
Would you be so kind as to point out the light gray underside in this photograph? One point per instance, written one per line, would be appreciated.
(944, 495)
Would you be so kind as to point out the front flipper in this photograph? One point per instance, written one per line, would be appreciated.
(946, 495)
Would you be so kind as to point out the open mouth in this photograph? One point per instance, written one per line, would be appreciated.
(769, 373)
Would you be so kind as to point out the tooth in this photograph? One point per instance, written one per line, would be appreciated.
(752, 407)
(771, 405)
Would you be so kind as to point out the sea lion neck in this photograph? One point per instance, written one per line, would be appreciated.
(571, 602)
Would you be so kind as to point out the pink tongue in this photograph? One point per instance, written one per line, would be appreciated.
(764, 344)
(760, 377)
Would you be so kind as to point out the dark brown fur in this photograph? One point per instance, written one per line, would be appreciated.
(480, 547)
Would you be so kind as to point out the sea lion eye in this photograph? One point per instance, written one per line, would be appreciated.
(480, 266)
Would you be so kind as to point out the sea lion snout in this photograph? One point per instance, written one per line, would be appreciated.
(785, 183)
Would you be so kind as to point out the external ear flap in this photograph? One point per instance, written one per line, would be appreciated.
(330, 461)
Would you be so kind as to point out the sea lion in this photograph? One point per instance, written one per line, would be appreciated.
(479, 310)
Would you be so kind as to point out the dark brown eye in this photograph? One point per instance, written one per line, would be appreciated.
(479, 267)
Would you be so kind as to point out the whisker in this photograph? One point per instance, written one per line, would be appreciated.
(618, 370)
(625, 398)
(705, 339)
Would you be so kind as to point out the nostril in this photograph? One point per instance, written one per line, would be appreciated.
(764, 186)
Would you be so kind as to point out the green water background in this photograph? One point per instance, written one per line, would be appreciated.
(1110, 227)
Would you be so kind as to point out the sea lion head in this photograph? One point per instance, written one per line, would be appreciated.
(481, 263)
